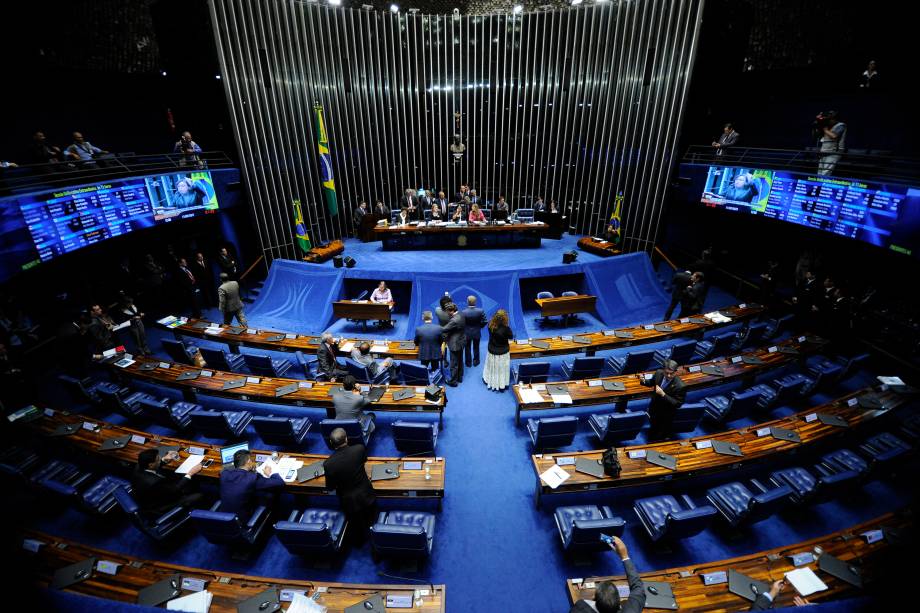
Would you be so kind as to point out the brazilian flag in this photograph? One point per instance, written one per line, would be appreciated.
(300, 229)
(325, 161)
(614, 222)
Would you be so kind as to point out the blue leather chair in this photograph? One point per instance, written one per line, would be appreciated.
(541, 296)
(117, 401)
(222, 360)
(808, 488)
(552, 432)
(220, 424)
(414, 437)
(55, 470)
(18, 461)
(157, 528)
(282, 430)
(780, 391)
(632, 362)
(266, 366)
(617, 427)
(820, 375)
(681, 353)
(178, 415)
(524, 215)
(663, 516)
(84, 390)
(739, 505)
(720, 409)
(309, 365)
(226, 528)
(179, 351)
(842, 460)
(100, 496)
(363, 375)
(65, 481)
(776, 326)
(312, 531)
(583, 368)
(403, 534)
(884, 447)
(353, 430)
(834, 369)
(751, 336)
(416, 374)
(580, 527)
(717, 346)
(688, 417)
(530, 372)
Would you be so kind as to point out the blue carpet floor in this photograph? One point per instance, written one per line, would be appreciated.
(493, 549)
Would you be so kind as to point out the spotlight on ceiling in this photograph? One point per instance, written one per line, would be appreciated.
(335, 2)
(394, 8)
(518, 9)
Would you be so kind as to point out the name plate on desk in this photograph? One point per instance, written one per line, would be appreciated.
(254, 380)
(703, 444)
(873, 536)
(197, 450)
(107, 567)
(284, 390)
(193, 585)
(763, 431)
(164, 365)
(736, 359)
(288, 595)
(803, 558)
(638, 454)
(715, 578)
(305, 385)
(407, 345)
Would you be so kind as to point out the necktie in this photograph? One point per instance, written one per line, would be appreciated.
(190, 275)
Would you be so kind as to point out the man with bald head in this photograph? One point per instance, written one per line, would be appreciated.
(345, 473)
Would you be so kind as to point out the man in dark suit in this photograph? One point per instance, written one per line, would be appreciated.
(691, 300)
(346, 475)
(201, 268)
(606, 596)
(679, 283)
(359, 214)
(474, 320)
(156, 490)
(228, 263)
(538, 205)
(765, 600)
(455, 335)
(242, 489)
(428, 341)
(381, 210)
(326, 358)
(350, 402)
(188, 284)
(410, 202)
(669, 395)
(807, 296)
(442, 204)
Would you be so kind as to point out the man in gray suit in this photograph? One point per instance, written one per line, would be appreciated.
(455, 335)
(428, 341)
(606, 596)
(475, 320)
(229, 303)
(349, 404)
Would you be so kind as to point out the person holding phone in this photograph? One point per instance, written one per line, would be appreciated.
(606, 597)
(157, 490)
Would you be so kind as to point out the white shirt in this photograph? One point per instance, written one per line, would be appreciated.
(381, 296)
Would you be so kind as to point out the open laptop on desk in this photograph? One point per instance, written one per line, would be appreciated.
(227, 453)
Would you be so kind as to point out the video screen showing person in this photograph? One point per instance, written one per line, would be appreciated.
(181, 195)
(739, 186)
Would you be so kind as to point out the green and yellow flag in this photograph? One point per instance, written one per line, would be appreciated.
(325, 161)
(614, 222)
(300, 229)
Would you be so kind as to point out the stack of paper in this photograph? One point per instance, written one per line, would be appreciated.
(379, 348)
(805, 581)
(302, 604)
(213, 330)
(561, 398)
(282, 467)
(122, 325)
(198, 602)
(192, 460)
(347, 347)
(717, 317)
(554, 476)
(167, 320)
(890, 380)
(529, 396)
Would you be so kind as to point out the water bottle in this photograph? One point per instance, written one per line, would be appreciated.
(427, 472)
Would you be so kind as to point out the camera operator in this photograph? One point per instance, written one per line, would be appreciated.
(832, 136)
(189, 150)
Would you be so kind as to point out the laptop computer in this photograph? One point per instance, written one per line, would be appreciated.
(226, 453)
(310, 471)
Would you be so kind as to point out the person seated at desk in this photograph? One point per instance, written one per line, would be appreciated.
(538, 205)
(552, 207)
(474, 199)
(382, 295)
(436, 213)
(476, 216)
(500, 213)
(350, 402)
(242, 489)
(403, 218)
(362, 355)
(381, 210)
(606, 595)
(458, 214)
(157, 490)
(327, 364)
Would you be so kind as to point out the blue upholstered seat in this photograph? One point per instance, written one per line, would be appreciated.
(808, 488)
(157, 528)
(614, 428)
(632, 362)
(100, 496)
(834, 369)
(663, 516)
(751, 336)
(355, 432)
(717, 346)
(781, 391)
(309, 365)
(580, 527)
(530, 372)
(363, 375)
(721, 409)
(222, 360)
(220, 424)
(266, 366)
(282, 430)
(18, 461)
(416, 374)
(116, 400)
(583, 368)
(320, 531)
(843, 460)
(84, 390)
(415, 436)
(688, 416)
(740, 505)
(403, 534)
(177, 416)
(552, 432)
(884, 447)
(524, 215)
(226, 528)
(543, 296)
(777, 326)
(62, 479)
(681, 353)
(179, 351)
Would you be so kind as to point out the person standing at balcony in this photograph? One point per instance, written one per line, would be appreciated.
(728, 138)
(189, 150)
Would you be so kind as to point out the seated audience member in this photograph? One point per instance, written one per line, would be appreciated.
(100, 329)
(403, 218)
(669, 395)
(381, 210)
(476, 216)
(40, 152)
(606, 595)
(500, 211)
(82, 150)
(131, 313)
(350, 402)
(553, 208)
(327, 362)
(189, 150)
(362, 355)
(436, 213)
(157, 490)
(458, 214)
(345, 473)
(242, 488)
(428, 341)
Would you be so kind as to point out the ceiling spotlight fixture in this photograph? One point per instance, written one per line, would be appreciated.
(518, 9)
(163, 73)
(335, 2)
(394, 8)
(217, 76)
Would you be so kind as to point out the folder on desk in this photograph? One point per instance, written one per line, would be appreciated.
(234, 331)
(788, 350)
(623, 334)
(592, 467)
(160, 592)
(275, 338)
(557, 388)
(614, 386)
(118, 442)
(75, 573)
(313, 471)
(64, 430)
(374, 604)
(832, 420)
(402, 394)
(744, 586)
(710, 369)
(233, 384)
(699, 320)
(539, 344)
(871, 401)
(406, 345)
(375, 394)
(583, 340)
(726, 448)
(785, 435)
(751, 359)
(659, 595)
(146, 366)
(284, 390)
(383, 472)
(663, 328)
(201, 325)
(188, 375)
(850, 573)
(265, 602)
(661, 459)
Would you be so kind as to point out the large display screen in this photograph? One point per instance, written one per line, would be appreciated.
(39, 227)
(882, 214)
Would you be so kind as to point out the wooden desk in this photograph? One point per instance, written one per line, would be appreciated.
(318, 255)
(602, 248)
(259, 339)
(768, 566)
(694, 327)
(409, 484)
(585, 394)
(693, 462)
(363, 310)
(566, 305)
(228, 589)
(509, 235)
(317, 395)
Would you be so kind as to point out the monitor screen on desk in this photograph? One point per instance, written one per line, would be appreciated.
(227, 453)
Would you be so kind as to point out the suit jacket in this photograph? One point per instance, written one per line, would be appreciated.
(359, 215)
(674, 394)
(228, 264)
(158, 492)
(409, 202)
(442, 316)
(692, 298)
(186, 282)
(679, 283)
(240, 489)
(761, 603)
(726, 141)
(442, 204)
(345, 474)
(455, 332)
(475, 320)
(382, 210)
(633, 604)
(228, 297)
(202, 274)
(428, 340)
(326, 359)
(348, 406)
(539, 206)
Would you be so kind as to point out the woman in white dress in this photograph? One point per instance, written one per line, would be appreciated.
(497, 372)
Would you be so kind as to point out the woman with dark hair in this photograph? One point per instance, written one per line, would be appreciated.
(497, 372)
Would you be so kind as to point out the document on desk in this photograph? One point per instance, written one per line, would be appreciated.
(554, 476)
(190, 462)
(214, 331)
(805, 581)
(561, 398)
(379, 348)
(197, 602)
(530, 396)
(717, 317)
(347, 347)
(303, 604)
(890, 380)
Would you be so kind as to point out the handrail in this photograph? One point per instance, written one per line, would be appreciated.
(254, 264)
(665, 258)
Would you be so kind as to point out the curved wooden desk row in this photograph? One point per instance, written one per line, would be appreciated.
(409, 484)
(228, 589)
(303, 394)
(603, 248)
(848, 545)
(755, 442)
(591, 391)
(602, 340)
